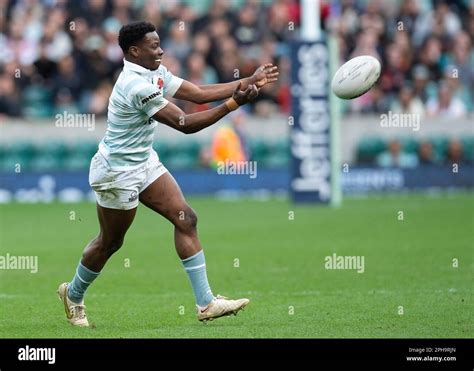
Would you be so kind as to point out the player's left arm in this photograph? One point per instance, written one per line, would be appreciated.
(265, 74)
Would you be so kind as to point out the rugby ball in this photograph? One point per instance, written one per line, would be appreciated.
(356, 77)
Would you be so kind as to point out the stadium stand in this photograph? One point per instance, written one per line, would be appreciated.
(63, 56)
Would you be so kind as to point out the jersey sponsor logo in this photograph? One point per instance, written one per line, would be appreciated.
(133, 196)
(151, 96)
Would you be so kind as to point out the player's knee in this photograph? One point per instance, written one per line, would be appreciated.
(187, 220)
(115, 244)
(109, 245)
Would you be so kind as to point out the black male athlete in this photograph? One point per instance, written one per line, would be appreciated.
(126, 170)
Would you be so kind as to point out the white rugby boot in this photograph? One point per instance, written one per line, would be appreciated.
(75, 312)
(219, 307)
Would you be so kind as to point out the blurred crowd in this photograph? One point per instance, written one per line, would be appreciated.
(63, 55)
(59, 55)
(426, 153)
(425, 48)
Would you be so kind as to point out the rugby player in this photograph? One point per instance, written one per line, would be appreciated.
(126, 170)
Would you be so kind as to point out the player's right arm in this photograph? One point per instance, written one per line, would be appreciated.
(174, 117)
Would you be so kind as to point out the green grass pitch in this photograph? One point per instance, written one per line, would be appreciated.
(409, 288)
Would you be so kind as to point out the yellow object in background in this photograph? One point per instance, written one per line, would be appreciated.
(226, 145)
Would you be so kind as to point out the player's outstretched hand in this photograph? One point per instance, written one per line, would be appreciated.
(242, 97)
(265, 74)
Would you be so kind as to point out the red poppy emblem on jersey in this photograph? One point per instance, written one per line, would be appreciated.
(160, 83)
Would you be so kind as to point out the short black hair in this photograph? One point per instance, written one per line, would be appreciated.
(133, 32)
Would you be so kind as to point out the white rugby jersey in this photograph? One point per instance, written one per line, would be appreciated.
(137, 95)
